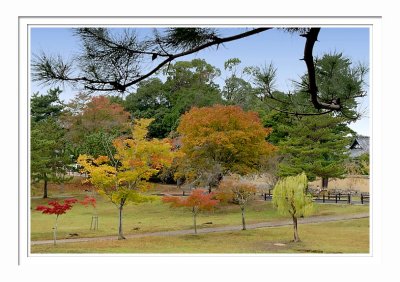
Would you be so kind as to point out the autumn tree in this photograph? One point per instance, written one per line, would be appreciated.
(290, 198)
(187, 84)
(56, 208)
(91, 201)
(237, 192)
(93, 122)
(222, 139)
(123, 177)
(197, 201)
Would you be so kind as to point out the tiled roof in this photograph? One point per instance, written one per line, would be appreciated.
(359, 146)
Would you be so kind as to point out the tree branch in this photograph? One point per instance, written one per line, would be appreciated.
(300, 114)
(216, 41)
(51, 70)
(312, 36)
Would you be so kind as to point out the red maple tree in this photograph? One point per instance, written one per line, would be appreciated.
(54, 207)
(89, 201)
(197, 201)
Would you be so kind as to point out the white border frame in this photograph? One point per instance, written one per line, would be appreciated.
(375, 87)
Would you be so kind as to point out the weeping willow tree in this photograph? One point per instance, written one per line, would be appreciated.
(290, 198)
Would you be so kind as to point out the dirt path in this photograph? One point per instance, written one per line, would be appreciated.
(313, 219)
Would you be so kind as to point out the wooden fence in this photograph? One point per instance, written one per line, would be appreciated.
(364, 198)
(328, 197)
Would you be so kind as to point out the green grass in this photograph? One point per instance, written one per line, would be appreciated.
(351, 236)
(156, 216)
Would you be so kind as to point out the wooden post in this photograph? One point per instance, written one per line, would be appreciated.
(336, 197)
(349, 198)
(94, 224)
(265, 196)
(362, 202)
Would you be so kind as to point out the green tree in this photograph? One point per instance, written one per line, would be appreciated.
(238, 89)
(46, 106)
(290, 198)
(339, 80)
(49, 157)
(315, 146)
(358, 165)
(188, 84)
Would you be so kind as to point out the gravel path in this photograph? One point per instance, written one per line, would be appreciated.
(312, 219)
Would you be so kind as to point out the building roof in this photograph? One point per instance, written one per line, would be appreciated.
(359, 146)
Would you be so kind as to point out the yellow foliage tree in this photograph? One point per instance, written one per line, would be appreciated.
(123, 177)
(290, 198)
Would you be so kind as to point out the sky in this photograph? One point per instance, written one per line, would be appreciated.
(283, 49)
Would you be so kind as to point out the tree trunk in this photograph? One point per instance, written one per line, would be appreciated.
(120, 234)
(55, 232)
(45, 188)
(194, 222)
(325, 182)
(243, 220)
(295, 232)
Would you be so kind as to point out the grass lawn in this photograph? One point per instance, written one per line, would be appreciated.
(351, 236)
(346, 237)
(157, 216)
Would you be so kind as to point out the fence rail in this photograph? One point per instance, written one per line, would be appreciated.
(364, 198)
(328, 197)
(336, 198)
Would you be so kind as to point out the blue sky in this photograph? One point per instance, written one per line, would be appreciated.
(283, 49)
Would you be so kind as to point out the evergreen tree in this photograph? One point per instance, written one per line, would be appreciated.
(49, 157)
(316, 146)
(46, 106)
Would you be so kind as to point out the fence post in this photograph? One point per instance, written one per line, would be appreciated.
(265, 196)
(339, 196)
(362, 202)
(349, 198)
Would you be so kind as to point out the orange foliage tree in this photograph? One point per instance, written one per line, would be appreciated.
(123, 177)
(222, 139)
(197, 201)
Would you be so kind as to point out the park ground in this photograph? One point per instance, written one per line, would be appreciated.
(344, 236)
